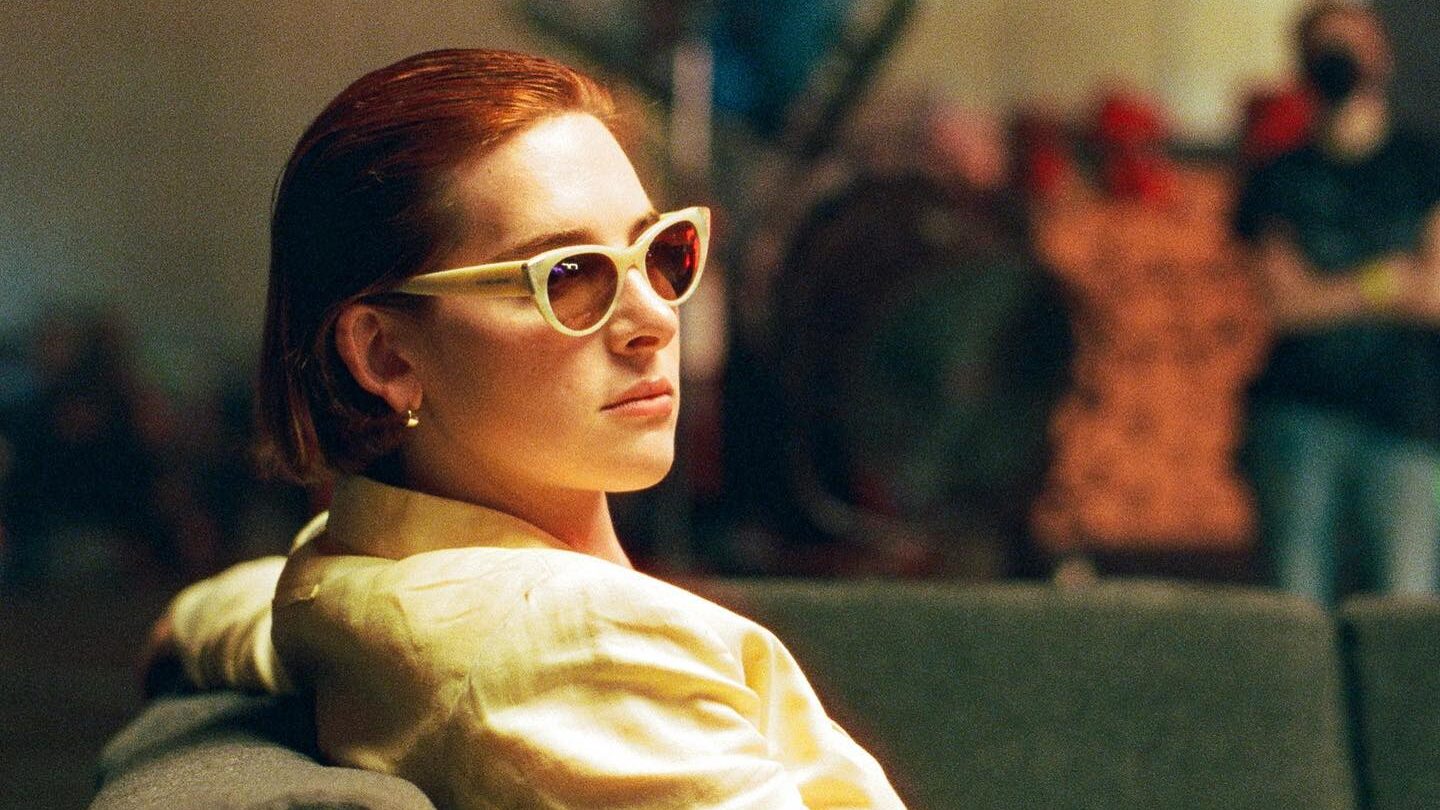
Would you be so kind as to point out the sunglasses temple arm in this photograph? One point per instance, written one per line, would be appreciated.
(491, 280)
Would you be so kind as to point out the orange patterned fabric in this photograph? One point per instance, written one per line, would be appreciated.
(1168, 331)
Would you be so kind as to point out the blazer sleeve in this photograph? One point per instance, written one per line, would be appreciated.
(594, 698)
(222, 629)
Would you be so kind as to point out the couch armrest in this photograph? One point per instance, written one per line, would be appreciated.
(230, 750)
(1392, 650)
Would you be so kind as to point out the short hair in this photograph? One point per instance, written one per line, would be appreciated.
(363, 204)
(1309, 21)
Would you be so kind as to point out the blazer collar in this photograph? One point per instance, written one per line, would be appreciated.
(375, 519)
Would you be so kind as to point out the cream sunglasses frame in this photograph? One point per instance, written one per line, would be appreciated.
(528, 277)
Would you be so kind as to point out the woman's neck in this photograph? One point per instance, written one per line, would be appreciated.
(579, 519)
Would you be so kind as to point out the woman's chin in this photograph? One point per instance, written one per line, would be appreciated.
(640, 471)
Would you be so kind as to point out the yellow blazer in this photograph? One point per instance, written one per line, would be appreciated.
(469, 652)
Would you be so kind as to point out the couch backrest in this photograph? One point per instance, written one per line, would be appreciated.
(1117, 696)
(1392, 652)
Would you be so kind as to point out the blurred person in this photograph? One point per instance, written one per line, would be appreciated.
(16, 389)
(472, 328)
(81, 459)
(1345, 418)
(254, 515)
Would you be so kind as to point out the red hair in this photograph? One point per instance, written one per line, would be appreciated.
(363, 204)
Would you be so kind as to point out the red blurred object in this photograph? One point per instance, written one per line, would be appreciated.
(1125, 121)
(1131, 132)
(1046, 166)
(1276, 122)
(1137, 175)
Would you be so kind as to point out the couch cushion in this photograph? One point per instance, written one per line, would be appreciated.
(1392, 649)
(1138, 695)
(228, 750)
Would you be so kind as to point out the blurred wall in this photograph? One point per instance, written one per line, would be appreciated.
(1196, 56)
(142, 140)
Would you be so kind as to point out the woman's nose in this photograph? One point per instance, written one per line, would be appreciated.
(643, 321)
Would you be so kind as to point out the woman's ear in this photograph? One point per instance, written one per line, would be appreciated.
(369, 342)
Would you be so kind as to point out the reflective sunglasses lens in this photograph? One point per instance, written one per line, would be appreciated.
(580, 289)
(673, 259)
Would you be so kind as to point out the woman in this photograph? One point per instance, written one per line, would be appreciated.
(472, 325)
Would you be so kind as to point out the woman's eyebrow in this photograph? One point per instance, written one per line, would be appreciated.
(540, 244)
(642, 223)
(574, 236)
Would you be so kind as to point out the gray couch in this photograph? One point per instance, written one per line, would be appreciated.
(1121, 695)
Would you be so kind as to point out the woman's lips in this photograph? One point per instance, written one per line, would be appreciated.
(645, 398)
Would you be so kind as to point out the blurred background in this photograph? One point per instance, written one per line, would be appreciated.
(975, 312)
